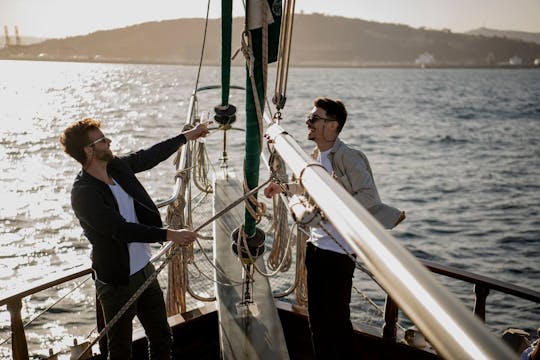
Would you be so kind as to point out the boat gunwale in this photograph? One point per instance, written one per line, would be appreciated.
(463, 275)
(482, 280)
(45, 283)
(478, 280)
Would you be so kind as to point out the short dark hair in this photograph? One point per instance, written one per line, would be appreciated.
(334, 109)
(75, 138)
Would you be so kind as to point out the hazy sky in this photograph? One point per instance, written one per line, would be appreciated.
(60, 18)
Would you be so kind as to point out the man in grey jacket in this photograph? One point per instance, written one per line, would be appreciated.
(328, 262)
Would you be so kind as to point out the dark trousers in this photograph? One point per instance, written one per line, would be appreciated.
(149, 308)
(329, 283)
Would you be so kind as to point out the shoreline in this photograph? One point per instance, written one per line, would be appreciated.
(301, 65)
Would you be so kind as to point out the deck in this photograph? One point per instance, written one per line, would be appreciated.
(256, 336)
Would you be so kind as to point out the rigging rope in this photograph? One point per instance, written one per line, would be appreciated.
(280, 255)
(255, 208)
(374, 304)
(202, 49)
(264, 10)
(200, 176)
(285, 36)
(301, 271)
(250, 63)
(176, 280)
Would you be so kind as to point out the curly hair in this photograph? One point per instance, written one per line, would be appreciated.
(334, 109)
(75, 138)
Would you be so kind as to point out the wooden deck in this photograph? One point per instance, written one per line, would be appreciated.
(258, 336)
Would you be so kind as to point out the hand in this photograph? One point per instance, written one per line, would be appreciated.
(201, 130)
(273, 189)
(535, 354)
(181, 237)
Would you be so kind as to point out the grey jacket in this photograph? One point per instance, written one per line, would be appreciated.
(351, 169)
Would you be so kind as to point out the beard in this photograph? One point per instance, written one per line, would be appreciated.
(106, 155)
(311, 134)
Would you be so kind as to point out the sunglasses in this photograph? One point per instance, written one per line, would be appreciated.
(102, 139)
(311, 118)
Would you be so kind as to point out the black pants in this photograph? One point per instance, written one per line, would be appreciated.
(149, 308)
(329, 283)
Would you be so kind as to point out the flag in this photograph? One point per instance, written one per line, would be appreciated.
(255, 22)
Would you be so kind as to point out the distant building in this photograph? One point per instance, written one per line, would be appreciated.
(424, 59)
(7, 41)
(17, 37)
(490, 58)
(515, 60)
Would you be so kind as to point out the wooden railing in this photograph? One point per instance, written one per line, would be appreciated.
(13, 301)
(482, 287)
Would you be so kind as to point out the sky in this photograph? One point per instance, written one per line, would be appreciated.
(61, 18)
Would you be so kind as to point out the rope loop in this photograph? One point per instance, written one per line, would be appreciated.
(300, 177)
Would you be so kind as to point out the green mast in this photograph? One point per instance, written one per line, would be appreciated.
(252, 146)
(226, 35)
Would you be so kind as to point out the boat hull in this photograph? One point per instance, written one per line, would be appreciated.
(196, 336)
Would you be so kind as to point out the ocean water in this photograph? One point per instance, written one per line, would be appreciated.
(458, 150)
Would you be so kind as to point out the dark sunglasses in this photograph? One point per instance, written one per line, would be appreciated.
(311, 118)
(102, 139)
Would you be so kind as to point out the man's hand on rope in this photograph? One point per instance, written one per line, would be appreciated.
(274, 189)
(201, 130)
(181, 237)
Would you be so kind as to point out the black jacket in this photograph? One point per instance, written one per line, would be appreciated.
(98, 213)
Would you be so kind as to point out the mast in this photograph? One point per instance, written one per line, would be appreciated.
(253, 141)
(226, 35)
(225, 113)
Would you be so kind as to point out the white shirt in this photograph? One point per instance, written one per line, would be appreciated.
(319, 237)
(139, 253)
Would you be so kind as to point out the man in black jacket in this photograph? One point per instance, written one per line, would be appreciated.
(120, 220)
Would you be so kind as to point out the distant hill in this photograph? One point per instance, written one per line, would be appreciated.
(356, 41)
(520, 35)
(318, 40)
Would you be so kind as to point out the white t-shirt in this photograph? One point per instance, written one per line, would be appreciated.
(139, 253)
(319, 237)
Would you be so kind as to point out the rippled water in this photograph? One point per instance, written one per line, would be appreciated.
(459, 150)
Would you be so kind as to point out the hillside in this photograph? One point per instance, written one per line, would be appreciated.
(318, 40)
(519, 35)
